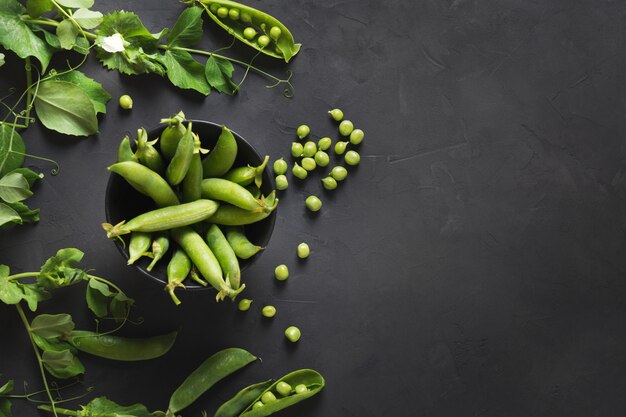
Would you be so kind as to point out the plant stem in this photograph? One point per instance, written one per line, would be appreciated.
(22, 275)
(106, 281)
(39, 359)
(29, 93)
(63, 411)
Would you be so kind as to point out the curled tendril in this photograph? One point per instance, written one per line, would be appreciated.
(289, 91)
(54, 171)
(52, 72)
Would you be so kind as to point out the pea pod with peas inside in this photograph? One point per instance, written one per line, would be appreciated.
(240, 402)
(177, 270)
(181, 161)
(192, 184)
(147, 182)
(242, 247)
(121, 348)
(221, 158)
(147, 153)
(225, 256)
(229, 215)
(230, 192)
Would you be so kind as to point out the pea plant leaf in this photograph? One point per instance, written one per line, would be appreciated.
(26, 214)
(75, 4)
(185, 72)
(5, 407)
(8, 216)
(94, 90)
(60, 270)
(218, 73)
(16, 35)
(66, 108)
(102, 406)
(6, 388)
(30, 175)
(36, 8)
(187, 30)
(14, 187)
(87, 19)
(10, 292)
(63, 364)
(120, 306)
(11, 149)
(52, 326)
(98, 294)
(67, 33)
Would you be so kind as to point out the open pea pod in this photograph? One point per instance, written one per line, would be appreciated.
(282, 46)
(241, 401)
(121, 348)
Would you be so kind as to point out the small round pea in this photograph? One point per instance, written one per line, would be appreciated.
(339, 173)
(268, 397)
(222, 12)
(281, 182)
(340, 147)
(303, 250)
(280, 166)
(321, 158)
(296, 149)
(301, 389)
(303, 131)
(281, 272)
(244, 304)
(324, 143)
(299, 172)
(275, 32)
(214, 7)
(245, 17)
(292, 333)
(263, 27)
(263, 41)
(356, 136)
(126, 102)
(258, 404)
(283, 388)
(313, 203)
(249, 33)
(329, 183)
(309, 148)
(352, 158)
(336, 114)
(233, 14)
(346, 127)
(308, 163)
(268, 311)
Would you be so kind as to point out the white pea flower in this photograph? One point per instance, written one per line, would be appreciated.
(113, 43)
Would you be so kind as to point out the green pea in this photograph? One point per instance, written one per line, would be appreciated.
(299, 172)
(126, 102)
(324, 143)
(233, 14)
(281, 272)
(257, 404)
(329, 183)
(263, 41)
(340, 147)
(356, 136)
(244, 304)
(222, 12)
(245, 17)
(313, 203)
(309, 149)
(303, 250)
(346, 127)
(308, 163)
(321, 158)
(336, 114)
(296, 149)
(281, 182)
(280, 166)
(214, 7)
(339, 173)
(283, 388)
(301, 389)
(268, 397)
(249, 33)
(269, 312)
(275, 32)
(303, 131)
(292, 333)
(352, 158)
(263, 26)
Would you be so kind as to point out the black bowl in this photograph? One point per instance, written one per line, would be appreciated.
(123, 202)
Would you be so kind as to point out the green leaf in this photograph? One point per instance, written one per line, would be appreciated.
(67, 33)
(1, 59)
(52, 326)
(11, 149)
(75, 4)
(52, 345)
(87, 19)
(10, 292)
(98, 294)
(59, 270)
(8, 215)
(16, 35)
(97, 94)
(33, 294)
(187, 30)
(30, 175)
(6, 388)
(14, 188)
(66, 108)
(5, 408)
(185, 72)
(120, 305)
(218, 73)
(82, 46)
(62, 364)
(27, 214)
(102, 406)
(38, 7)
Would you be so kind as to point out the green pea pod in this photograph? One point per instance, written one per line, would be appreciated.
(121, 348)
(164, 218)
(160, 245)
(139, 246)
(147, 182)
(242, 247)
(147, 153)
(193, 274)
(241, 401)
(179, 165)
(229, 215)
(225, 256)
(125, 152)
(168, 142)
(284, 47)
(230, 192)
(177, 270)
(212, 370)
(192, 184)
(246, 175)
(222, 157)
(308, 377)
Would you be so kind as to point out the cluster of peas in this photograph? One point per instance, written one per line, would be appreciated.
(283, 389)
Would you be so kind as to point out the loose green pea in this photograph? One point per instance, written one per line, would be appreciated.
(321, 158)
(356, 136)
(126, 102)
(268, 397)
(263, 41)
(339, 173)
(249, 33)
(233, 14)
(296, 149)
(346, 127)
(329, 183)
(281, 272)
(301, 389)
(303, 131)
(308, 163)
(269, 312)
(340, 147)
(299, 172)
(313, 203)
(309, 149)
(245, 17)
(280, 166)
(324, 143)
(257, 404)
(292, 333)
(222, 12)
(352, 158)
(283, 388)
(275, 32)
(281, 182)
(303, 250)
(244, 304)
(336, 114)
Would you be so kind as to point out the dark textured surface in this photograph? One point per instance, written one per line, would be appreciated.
(473, 265)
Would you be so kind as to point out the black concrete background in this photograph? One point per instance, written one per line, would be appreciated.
(471, 266)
